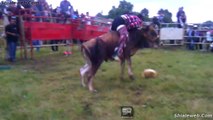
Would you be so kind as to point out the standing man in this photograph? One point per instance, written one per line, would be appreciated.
(66, 9)
(65, 6)
(181, 17)
(12, 36)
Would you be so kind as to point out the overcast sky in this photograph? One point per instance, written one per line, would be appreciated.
(196, 10)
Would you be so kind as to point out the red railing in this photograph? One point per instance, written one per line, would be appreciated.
(76, 29)
(50, 29)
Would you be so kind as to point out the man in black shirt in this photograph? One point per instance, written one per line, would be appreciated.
(12, 38)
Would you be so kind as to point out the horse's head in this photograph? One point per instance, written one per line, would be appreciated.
(150, 33)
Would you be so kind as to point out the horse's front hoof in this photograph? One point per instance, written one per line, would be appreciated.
(93, 91)
(83, 85)
(121, 78)
(132, 77)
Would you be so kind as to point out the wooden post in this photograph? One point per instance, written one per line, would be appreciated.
(31, 49)
(23, 36)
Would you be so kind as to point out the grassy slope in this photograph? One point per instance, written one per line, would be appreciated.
(48, 88)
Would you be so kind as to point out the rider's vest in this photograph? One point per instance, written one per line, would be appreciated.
(132, 21)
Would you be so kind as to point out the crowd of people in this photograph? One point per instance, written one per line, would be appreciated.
(41, 8)
(199, 39)
(181, 18)
(39, 11)
(196, 39)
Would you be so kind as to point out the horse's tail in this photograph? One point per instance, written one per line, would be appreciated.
(94, 53)
(97, 51)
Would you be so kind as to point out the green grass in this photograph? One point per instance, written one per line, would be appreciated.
(49, 88)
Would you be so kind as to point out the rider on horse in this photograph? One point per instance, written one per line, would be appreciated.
(123, 24)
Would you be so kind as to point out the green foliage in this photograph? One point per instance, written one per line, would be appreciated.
(127, 7)
(167, 15)
(114, 12)
(208, 24)
(124, 7)
(49, 87)
(101, 15)
(145, 14)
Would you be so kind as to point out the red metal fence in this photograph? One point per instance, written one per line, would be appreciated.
(47, 31)
(76, 29)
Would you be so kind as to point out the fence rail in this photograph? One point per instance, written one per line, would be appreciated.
(175, 37)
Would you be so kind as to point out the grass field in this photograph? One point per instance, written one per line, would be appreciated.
(48, 88)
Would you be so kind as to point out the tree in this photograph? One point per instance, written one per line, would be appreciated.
(113, 12)
(167, 15)
(100, 14)
(124, 7)
(145, 14)
(208, 24)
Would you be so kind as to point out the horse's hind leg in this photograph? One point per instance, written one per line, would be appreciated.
(91, 75)
(122, 63)
(85, 69)
(130, 73)
(90, 82)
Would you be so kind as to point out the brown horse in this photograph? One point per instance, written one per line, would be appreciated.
(96, 50)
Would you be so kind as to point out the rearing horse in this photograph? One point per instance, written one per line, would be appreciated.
(96, 50)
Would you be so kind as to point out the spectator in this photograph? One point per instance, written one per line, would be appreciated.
(161, 17)
(194, 38)
(87, 15)
(2, 7)
(75, 15)
(25, 3)
(181, 18)
(54, 46)
(208, 40)
(211, 47)
(12, 38)
(190, 41)
(82, 16)
(66, 9)
(43, 8)
(58, 10)
(65, 6)
(56, 13)
(37, 44)
(88, 19)
(12, 10)
(36, 13)
(156, 21)
(209, 35)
